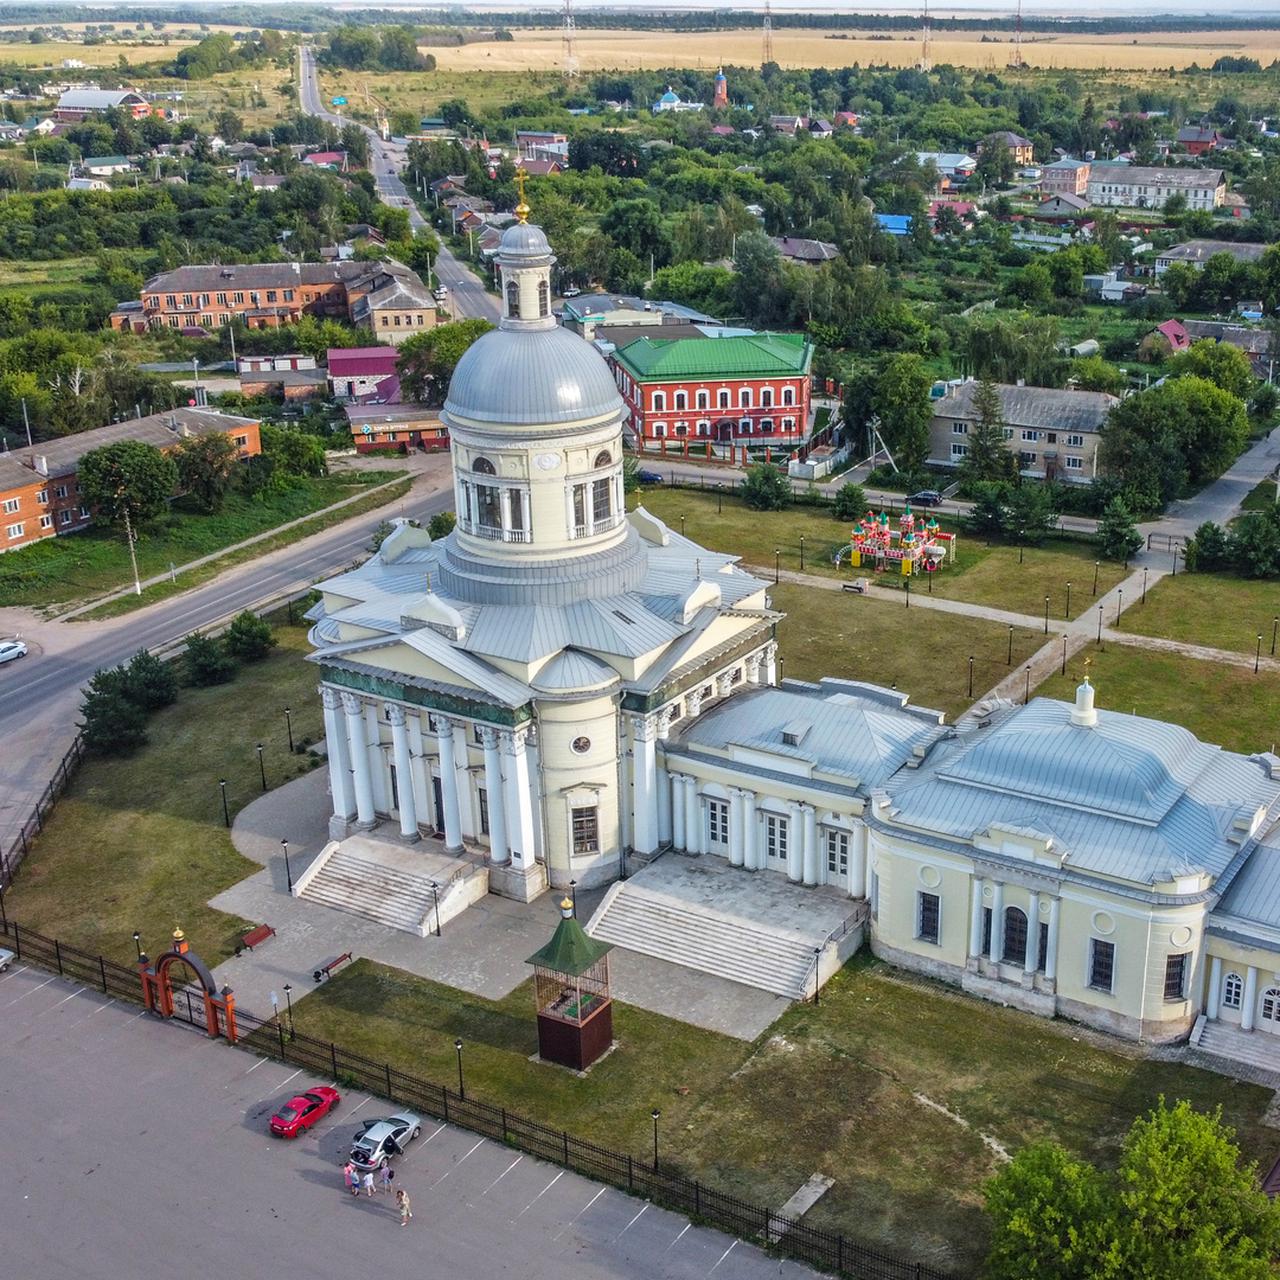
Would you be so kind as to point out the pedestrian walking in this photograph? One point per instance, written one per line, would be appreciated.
(402, 1199)
(368, 1182)
(351, 1177)
(386, 1176)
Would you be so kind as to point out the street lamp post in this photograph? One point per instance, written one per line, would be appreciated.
(462, 1088)
(720, 498)
(971, 675)
(435, 902)
(908, 585)
(802, 553)
(654, 1114)
(262, 768)
(137, 943)
(288, 870)
(817, 977)
(1095, 577)
(1099, 624)
(1026, 690)
(777, 558)
(573, 894)
(1064, 655)
(1144, 584)
(1119, 603)
(1275, 624)
(288, 722)
(1008, 662)
(1067, 614)
(1257, 657)
(226, 816)
(288, 995)
(1046, 615)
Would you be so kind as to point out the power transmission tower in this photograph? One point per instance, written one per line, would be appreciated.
(569, 62)
(925, 63)
(1017, 40)
(767, 51)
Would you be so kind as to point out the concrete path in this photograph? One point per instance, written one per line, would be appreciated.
(128, 1143)
(482, 951)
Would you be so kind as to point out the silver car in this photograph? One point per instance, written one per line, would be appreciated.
(6, 959)
(11, 650)
(379, 1140)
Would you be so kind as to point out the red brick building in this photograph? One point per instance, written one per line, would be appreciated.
(752, 389)
(39, 490)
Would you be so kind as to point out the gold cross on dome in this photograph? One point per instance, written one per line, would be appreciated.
(522, 209)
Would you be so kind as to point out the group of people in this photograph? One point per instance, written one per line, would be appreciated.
(356, 1181)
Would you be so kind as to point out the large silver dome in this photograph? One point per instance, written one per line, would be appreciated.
(531, 377)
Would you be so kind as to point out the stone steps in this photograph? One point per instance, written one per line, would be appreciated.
(375, 891)
(678, 932)
(1256, 1048)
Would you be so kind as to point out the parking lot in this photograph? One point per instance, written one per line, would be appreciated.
(133, 1148)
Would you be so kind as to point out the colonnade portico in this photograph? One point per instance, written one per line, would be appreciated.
(1033, 962)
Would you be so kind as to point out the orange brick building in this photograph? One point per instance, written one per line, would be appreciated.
(39, 490)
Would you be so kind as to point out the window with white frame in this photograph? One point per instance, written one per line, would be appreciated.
(42, 497)
(722, 398)
(1175, 976)
(766, 397)
(15, 530)
(744, 397)
(775, 837)
(959, 428)
(928, 916)
(46, 521)
(1008, 433)
(1075, 442)
(1232, 991)
(838, 853)
(65, 516)
(718, 822)
(788, 395)
(659, 404)
(660, 430)
(1073, 463)
(586, 831)
(959, 450)
(11, 506)
(704, 399)
(681, 401)
(1030, 437)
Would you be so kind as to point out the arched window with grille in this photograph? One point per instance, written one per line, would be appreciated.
(603, 459)
(483, 467)
(513, 299)
(544, 298)
(1232, 991)
(1015, 936)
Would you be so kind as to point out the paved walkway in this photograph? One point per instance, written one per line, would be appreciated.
(482, 951)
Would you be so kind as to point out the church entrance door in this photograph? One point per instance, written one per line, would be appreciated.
(1269, 1011)
(437, 806)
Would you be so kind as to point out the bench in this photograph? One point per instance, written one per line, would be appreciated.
(326, 969)
(257, 936)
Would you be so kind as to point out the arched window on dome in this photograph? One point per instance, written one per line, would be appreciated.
(483, 467)
(513, 300)
(544, 298)
(603, 459)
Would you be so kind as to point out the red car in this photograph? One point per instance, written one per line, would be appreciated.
(305, 1110)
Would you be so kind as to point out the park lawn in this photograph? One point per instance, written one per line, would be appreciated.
(1212, 609)
(924, 652)
(1262, 497)
(1001, 577)
(838, 1089)
(138, 842)
(78, 567)
(1223, 704)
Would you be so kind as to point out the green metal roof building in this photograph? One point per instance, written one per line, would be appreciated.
(758, 355)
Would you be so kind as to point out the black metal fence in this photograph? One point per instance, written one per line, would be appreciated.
(639, 1175)
(11, 857)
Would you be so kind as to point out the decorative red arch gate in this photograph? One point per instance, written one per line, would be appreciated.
(157, 991)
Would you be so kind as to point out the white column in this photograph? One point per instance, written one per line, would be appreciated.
(678, 838)
(693, 825)
(1032, 962)
(997, 922)
(663, 780)
(377, 767)
(335, 734)
(771, 664)
(858, 866)
(519, 810)
(499, 852)
(693, 703)
(811, 858)
(442, 726)
(795, 843)
(1250, 998)
(418, 763)
(645, 831)
(405, 800)
(753, 854)
(359, 746)
(737, 827)
(1051, 955)
(975, 919)
(724, 684)
(462, 778)
(1215, 987)
(589, 506)
(752, 663)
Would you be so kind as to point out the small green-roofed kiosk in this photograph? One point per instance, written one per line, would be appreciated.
(571, 988)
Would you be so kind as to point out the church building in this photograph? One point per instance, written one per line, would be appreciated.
(561, 692)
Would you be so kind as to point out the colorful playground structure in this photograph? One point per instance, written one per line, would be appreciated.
(913, 547)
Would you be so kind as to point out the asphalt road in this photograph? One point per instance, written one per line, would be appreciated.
(467, 295)
(133, 1148)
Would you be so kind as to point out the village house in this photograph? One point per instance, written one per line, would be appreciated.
(1195, 253)
(1021, 149)
(357, 371)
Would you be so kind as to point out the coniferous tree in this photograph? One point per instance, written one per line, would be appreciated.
(988, 458)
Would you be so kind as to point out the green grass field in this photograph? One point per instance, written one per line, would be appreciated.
(84, 565)
(1002, 577)
(1226, 705)
(138, 842)
(1209, 609)
(842, 1089)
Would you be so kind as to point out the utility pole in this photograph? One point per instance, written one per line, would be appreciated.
(26, 422)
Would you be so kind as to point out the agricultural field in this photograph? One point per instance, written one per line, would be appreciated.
(541, 50)
(484, 90)
(51, 53)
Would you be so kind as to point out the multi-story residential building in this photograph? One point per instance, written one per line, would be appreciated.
(1195, 253)
(1131, 186)
(1065, 177)
(1054, 433)
(386, 297)
(40, 493)
(1198, 139)
(1021, 149)
(749, 389)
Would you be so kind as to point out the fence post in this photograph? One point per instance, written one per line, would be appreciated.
(17, 941)
(697, 1199)
(919, 1271)
(630, 1179)
(840, 1252)
(504, 1124)
(333, 1057)
(386, 1066)
(564, 1133)
(102, 973)
(280, 1030)
(444, 1100)
(57, 951)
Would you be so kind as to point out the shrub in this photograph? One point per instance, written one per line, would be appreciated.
(850, 502)
(765, 488)
(441, 525)
(149, 683)
(208, 661)
(249, 637)
(1208, 548)
(112, 725)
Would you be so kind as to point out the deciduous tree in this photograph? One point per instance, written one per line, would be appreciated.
(127, 482)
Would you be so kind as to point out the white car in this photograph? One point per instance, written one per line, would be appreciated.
(6, 959)
(11, 650)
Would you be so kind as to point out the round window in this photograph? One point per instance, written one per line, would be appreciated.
(582, 745)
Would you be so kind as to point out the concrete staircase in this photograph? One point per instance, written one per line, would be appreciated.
(728, 947)
(391, 894)
(1257, 1049)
